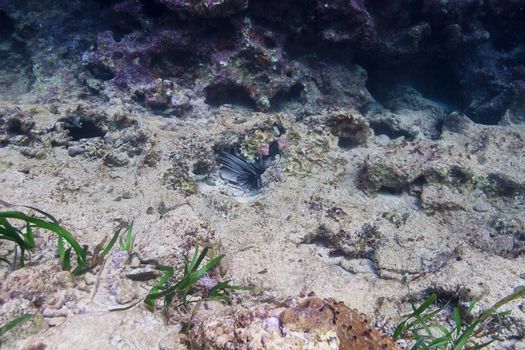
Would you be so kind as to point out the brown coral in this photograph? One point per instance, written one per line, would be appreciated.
(299, 323)
(315, 315)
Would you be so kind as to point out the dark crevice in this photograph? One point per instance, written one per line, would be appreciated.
(390, 191)
(420, 181)
(448, 299)
(282, 97)
(123, 25)
(82, 128)
(153, 8)
(202, 168)
(172, 63)
(508, 32)
(458, 176)
(346, 143)
(14, 126)
(269, 42)
(381, 128)
(7, 26)
(100, 72)
(435, 79)
(321, 241)
(220, 94)
(337, 253)
(106, 3)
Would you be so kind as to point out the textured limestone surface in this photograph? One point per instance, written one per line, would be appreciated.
(386, 141)
(373, 224)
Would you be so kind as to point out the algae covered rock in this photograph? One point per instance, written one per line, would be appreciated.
(302, 322)
(350, 127)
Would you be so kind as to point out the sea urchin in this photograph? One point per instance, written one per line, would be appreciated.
(247, 173)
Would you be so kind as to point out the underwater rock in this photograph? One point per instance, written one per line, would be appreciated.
(42, 291)
(164, 95)
(207, 8)
(467, 53)
(74, 151)
(19, 124)
(378, 174)
(462, 183)
(391, 125)
(15, 126)
(302, 322)
(350, 127)
(87, 130)
(348, 240)
(439, 197)
(116, 159)
(128, 62)
(256, 68)
(32, 152)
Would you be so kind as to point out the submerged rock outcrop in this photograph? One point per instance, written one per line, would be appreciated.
(386, 139)
(264, 55)
(302, 322)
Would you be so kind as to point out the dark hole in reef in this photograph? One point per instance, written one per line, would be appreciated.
(139, 96)
(220, 94)
(492, 118)
(282, 97)
(280, 127)
(381, 128)
(7, 26)
(435, 80)
(220, 147)
(273, 149)
(20, 47)
(171, 63)
(505, 40)
(82, 129)
(506, 32)
(458, 176)
(420, 180)
(153, 8)
(100, 72)
(124, 24)
(322, 241)
(346, 143)
(269, 42)
(202, 168)
(14, 126)
(106, 3)
(337, 253)
(390, 190)
(446, 298)
(503, 186)
(220, 29)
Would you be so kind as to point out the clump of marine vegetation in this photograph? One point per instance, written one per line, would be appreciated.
(193, 286)
(24, 239)
(467, 331)
(175, 288)
(178, 288)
